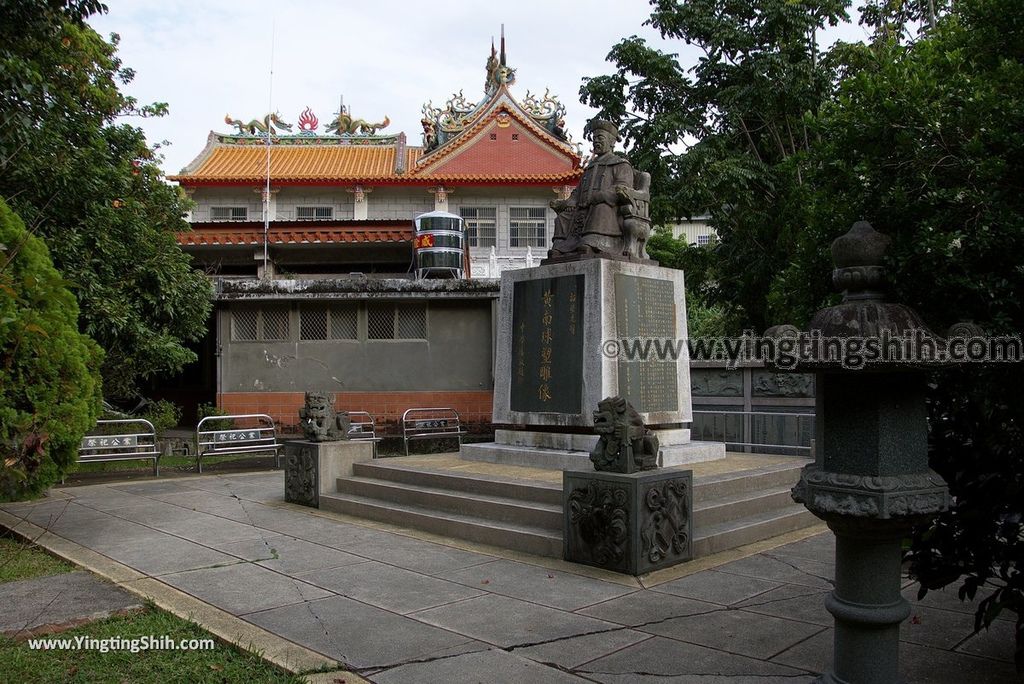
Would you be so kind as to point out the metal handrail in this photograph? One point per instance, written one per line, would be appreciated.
(780, 414)
(417, 432)
(244, 446)
(139, 450)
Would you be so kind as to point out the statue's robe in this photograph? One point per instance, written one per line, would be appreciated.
(592, 217)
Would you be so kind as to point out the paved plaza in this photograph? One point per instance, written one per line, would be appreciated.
(316, 590)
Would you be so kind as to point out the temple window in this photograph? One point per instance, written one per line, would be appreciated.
(229, 213)
(481, 225)
(315, 213)
(527, 227)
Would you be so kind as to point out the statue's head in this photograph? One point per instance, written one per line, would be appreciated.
(604, 134)
(318, 402)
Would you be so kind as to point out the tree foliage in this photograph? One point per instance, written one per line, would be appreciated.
(49, 371)
(920, 132)
(90, 186)
(744, 106)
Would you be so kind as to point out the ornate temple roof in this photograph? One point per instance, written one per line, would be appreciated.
(497, 141)
(302, 159)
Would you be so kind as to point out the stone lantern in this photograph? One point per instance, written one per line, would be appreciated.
(870, 481)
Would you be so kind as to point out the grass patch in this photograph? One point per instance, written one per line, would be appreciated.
(224, 663)
(21, 560)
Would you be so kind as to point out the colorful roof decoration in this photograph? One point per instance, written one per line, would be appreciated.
(498, 140)
(441, 125)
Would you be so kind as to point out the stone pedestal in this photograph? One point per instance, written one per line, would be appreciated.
(572, 334)
(631, 523)
(311, 468)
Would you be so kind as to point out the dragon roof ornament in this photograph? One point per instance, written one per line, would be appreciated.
(441, 124)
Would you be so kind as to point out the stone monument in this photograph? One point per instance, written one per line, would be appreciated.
(574, 330)
(326, 453)
(627, 515)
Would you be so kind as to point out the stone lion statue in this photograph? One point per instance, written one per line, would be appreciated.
(319, 421)
(625, 445)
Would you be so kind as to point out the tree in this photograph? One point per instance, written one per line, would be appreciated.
(90, 186)
(745, 107)
(49, 372)
(926, 141)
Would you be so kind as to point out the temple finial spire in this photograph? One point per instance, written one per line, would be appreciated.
(502, 61)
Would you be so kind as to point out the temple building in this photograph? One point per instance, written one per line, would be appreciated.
(309, 236)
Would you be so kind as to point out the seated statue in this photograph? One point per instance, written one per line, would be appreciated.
(319, 421)
(608, 212)
(625, 444)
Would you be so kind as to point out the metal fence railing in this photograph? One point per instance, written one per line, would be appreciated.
(766, 432)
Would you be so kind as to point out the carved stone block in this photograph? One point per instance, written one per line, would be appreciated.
(632, 523)
(301, 484)
(312, 468)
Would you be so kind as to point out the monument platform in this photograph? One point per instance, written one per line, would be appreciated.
(739, 499)
(571, 451)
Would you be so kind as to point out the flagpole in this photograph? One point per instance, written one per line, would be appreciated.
(266, 189)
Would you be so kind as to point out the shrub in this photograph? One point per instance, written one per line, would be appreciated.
(50, 389)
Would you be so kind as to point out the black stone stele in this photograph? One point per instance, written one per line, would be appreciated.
(631, 523)
(319, 421)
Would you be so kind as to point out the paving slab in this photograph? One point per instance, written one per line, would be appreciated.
(47, 604)
(996, 642)
(154, 487)
(506, 622)
(575, 651)
(793, 602)
(160, 554)
(413, 554)
(491, 666)
(665, 660)
(243, 588)
(791, 571)
(388, 587)
(289, 555)
(943, 629)
(647, 607)
(918, 664)
(537, 584)
(359, 635)
(722, 588)
(736, 631)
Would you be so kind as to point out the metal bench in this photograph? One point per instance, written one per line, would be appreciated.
(121, 443)
(363, 428)
(430, 423)
(258, 438)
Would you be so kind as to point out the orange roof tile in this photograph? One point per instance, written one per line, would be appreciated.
(321, 163)
(293, 236)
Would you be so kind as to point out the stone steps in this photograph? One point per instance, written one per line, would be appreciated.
(535, 540)
(730, 509)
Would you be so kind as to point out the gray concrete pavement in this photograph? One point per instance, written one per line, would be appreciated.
(396, 607)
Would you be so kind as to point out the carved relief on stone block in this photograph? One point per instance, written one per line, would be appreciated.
(665, 522)
(300, 477)
(599, 516)
(768, 384)
(711, 382)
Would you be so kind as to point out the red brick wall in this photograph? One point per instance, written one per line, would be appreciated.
(386, 407)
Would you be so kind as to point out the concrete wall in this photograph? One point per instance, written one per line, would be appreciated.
(400, 204)
(503, 199)
(227, 197)
(455, 356)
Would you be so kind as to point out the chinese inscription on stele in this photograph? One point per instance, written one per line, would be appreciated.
(645, 310)
(547, 344)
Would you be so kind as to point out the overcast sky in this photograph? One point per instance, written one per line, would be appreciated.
(208, 58)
